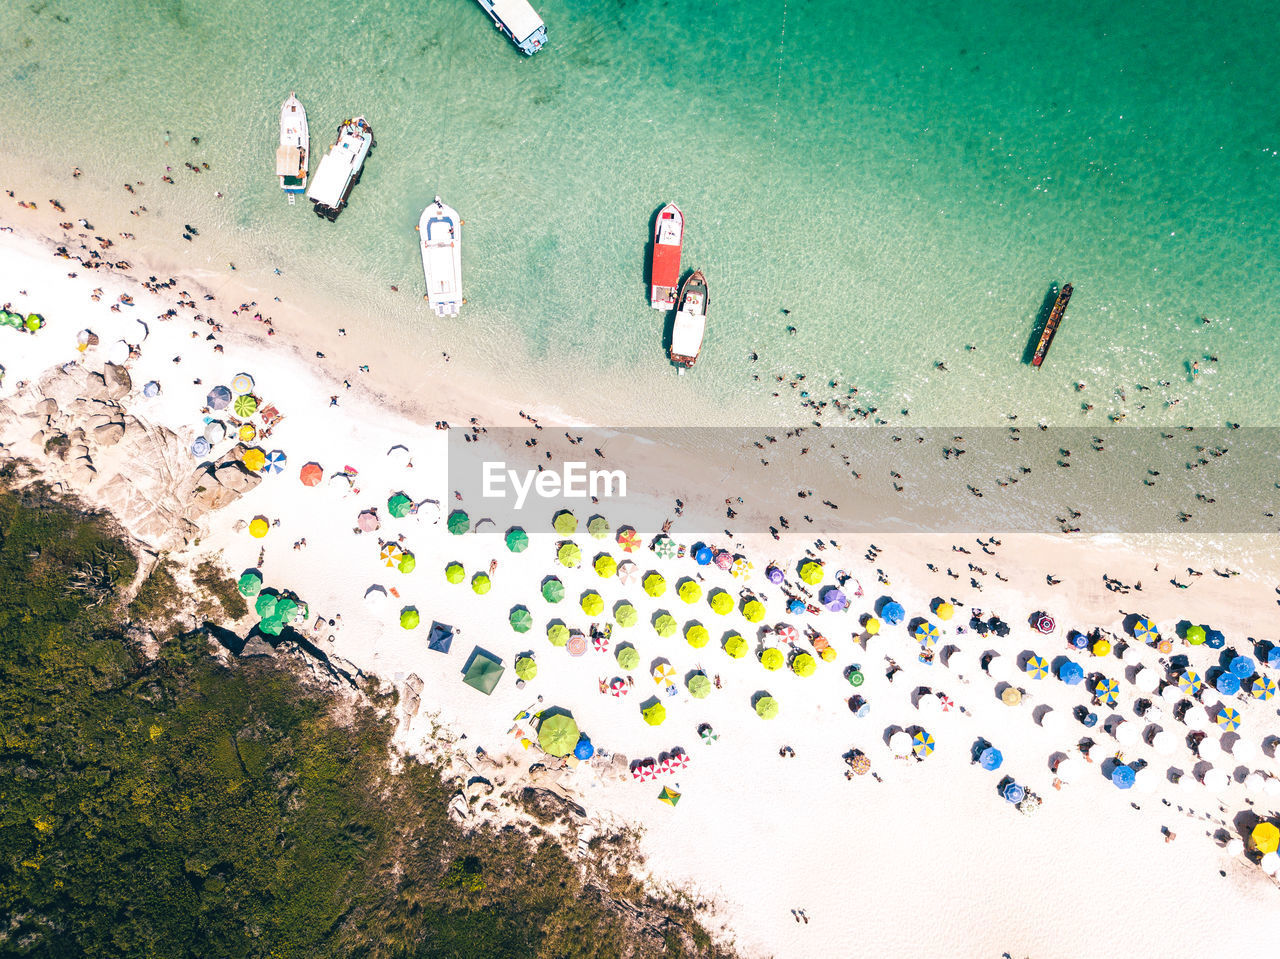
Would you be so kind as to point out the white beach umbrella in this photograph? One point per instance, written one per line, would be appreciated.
(398, 455)
(1125, 732)
(1067, 769)
(1215, 780)
(1172, 695)
(1146, 782)
(1272, 786)
(1209, 749)
(140, 331)
(1245, 750)
(1132, 654)
(1154, 713)
(1234, 847)
(1164, 743)
(1196, 719)
(1002, 669)
(874, 646)
(900, 744)
(118, 353)
(1187, 783)
(928, 704)
(1054, 721)
(1269, 863)
(962, 661)
(1147, 680)
(1255, 781)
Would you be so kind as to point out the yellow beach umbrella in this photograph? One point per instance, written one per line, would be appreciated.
(721, 602)
(872, 625)
(592, 604)
(945, 611)
(606, 566)
(254, 459)
(1101, 647)
(753, 611)
(655, 585)
(690, 591)
(258, 527)
(771, 659)
(811, 572)
(697, 635)
(1266, 837)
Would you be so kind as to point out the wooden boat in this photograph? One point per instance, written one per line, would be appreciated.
(440, 239)
(1051, 327)
(691, 321)
(664, 268)
(291, 154)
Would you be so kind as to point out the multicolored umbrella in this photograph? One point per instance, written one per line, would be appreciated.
(577, 644)
(517, 540)
(1264, 687)
(569, 555)
(624, 614)
(458, 522)
(1190, 682)
(655, 584)
(1195, 635)
(605, 566)
(665, 625)
(1045, 624)
(274, 462)
(1144, 630)
(787, 633)
(666, 548)
(708, 734)
(1123, 776)
(1243, 666)
(766, 707)
(741, 569)
(1228, 718)
(1227, 683)
(454, 573)
(600, 642)
(552, 590)
(679, 759)
(668, 796)
(664, 674)
(480, 584)
(946, 702)
(654, 714)
(592, 604)
(811, 572)
(598, 527)
(860, 764)
(558, 634)
(927, 633)
(618, 687)
(565, 523)
(244, 406)
(735, 646)
(689, 591)
(697, 636)
(526, 668)
(922, 744)
(990, 758)
(521, 619)
(772, 659)
(724, 560)
(390, 555)
(628, 539)
(1037, 667)
(1107, 690)
(753, 611)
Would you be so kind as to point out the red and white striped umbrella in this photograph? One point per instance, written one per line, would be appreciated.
(947, 702)
(649, 769)
(637, 772)
(600, 643)
(787, 634)
(1045, 624)
(577, 645)
(665, 765)
(679, 760)
(724, 559)
(618, 687)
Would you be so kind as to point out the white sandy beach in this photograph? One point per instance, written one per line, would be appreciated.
(929, 862)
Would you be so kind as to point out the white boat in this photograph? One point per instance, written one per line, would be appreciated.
(339, 169)
(295, 143)
(440, 238)
(691, 322)
(519, 21)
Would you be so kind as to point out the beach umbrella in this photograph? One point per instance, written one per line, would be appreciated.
(250, 583)
(577, 644)
(654, 714)
(480, 584)
(1243, 666)
(565, 523)
(795, 606)
(408, 563)
(689, 591)
(990, 758)
(834, 599)
(219, 398)
(944, 610)
(517, 540)
(254, 459)
(368, 521)
(627, 572)
(409, 618)
(241, 383)
(265, 606)
(772, 659)
(703, 556)
(1108, 690)
(665, 625)
(860, 764)
(521, 619)
(1265, 837)
(811, 572)
(627, 657)
(558, 734)
(311, 474)
(1014, 793)
(1228, 718)
(605, 566)
(668, 796)
(1227, 683)
(1126, 733)
(628, 539)
(1264, 687)
(655, 584)
(1147, 680)
(1078, 640)
(724, 560)
(893, 613)
(922, 744)
(900, 744)
(454, 573)
(741, 568)
(1011, 696)
(787, 633)
(946, 702)
(1037, 667)
(1144, 630)
(152, 388)
(697, 636)
(1054, 722)
(625, 615)
(1214, 639)
(1190, 682)
(1216, 781)
(1163, 743)
(721, 603)
(1101, 647)
(1045, 624)
(927, 633)
(735, 646)
(458, 523)
(1270, 862)
(804, 665)
(341, 482)
(753, 611)
(399, 505)
(774, 575)
(569, 555)
(1195, 635)
(699, 686)
(246, 433)
(1003, 669)
(766, 707)
(1131, 654)
(390, 555)
(871, 626)
(258, 527)
(1123, 776)
(1273, 657)
(618, 687)
(855, 678)
(215, 431)
(598, 527)
(592, 604)
(665, 548)
(553, 590)
(244, 406)
(526, 668)
(584, 750)
(600, 642)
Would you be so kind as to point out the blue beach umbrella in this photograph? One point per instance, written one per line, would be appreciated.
(1273, 656)
(893, 613)
(1123, 777)
(219, 398)
(795, 606)
(927, 633)
(1079, 640)
(1190, 682)
(1037, 667)
(1243, 666)
(1090, 720)
(151, 389)
(200, 447)
(703, 556)
(1014, 793)
(1071, 673)
(1227, 683)
(275, 462)
(1108, 690)
(584, 749)
(1228, 718)
(990, 758)
(1144, 630)
(922, 744)
(1214, 639)
(1264, 687)
(834, 599)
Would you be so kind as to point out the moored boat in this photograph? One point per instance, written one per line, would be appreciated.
(340, 168)
(691, 321)
(519, 21)
(295, 143)
(440, 240)
(1051, 325)
(664, 268)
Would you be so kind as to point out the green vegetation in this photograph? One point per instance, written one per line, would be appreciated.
(175, 807)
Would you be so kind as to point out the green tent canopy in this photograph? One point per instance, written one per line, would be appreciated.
(526, 668)
(399, 506)
(565, 523)
(459, 522)
(665, 625)
(699, 686)
(690, 591)
(772, 659)
(627, 657)
(483, 673)
(266, 605)
(517, 540)
(592, 604)
(655, 585)
(558, 733)
(624, 614)
(521, 620)
(598, 527)
(735, 646)
(454, 573)
(553, 590)
(558, 634)
(753, 610)
(407, 562)
(250, 584)
(766, 707)
(803, 665)
(605, 565)
(654, 713)
(480, 584)
(811, 572)
(721, 603)
(697, 636)
(569, 555)
(409, 618)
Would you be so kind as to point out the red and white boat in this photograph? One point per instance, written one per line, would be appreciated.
(664, 272)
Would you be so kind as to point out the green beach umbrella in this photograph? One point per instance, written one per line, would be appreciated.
(655, 585)
(480, 584)
(558, 634)
(627, 657)
(735, 646)
(721, 603)
(753, 611)
(250, 584)
(265, 606)
(565, 523)
(690, 591)
(409, 618)
(569, 555)
(244, 406)
(459, 522)
(699, 686)
(558, 734)
(766, 707)
(399, 506)
(272, 625)
(286, 609)
(1195, 635)
(526, 668)
(625, 615)
(483, 673)
(811, 572)
(34, 322)
(517, 540)
(697, 636)
(804, 665)
(598, 527)
(665, 625)
(654, 714)
(592, 604)
(407, 563)
(521, 620)
(771, 659)
(665, 548)
(553, 590)
(454, 573)
(606, 566)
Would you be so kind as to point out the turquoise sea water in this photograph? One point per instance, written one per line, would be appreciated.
(906, 178)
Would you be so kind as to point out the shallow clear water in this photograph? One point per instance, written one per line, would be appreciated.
(907, 179)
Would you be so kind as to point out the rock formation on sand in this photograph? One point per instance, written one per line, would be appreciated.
(75, 432)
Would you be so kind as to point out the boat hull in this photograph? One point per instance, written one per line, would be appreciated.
(440, 243)
(518, 21)
(664, 267)
(1051, 326)
(339, 170)
(691, 321)
(295, 145)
